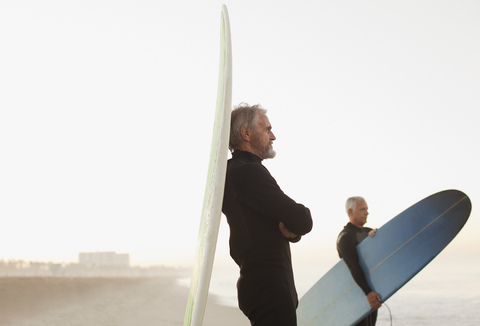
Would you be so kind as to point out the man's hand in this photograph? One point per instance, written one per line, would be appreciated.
(374, 300)
(286, 232)
(372, 233)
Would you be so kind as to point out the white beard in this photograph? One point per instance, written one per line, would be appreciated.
(264, 152)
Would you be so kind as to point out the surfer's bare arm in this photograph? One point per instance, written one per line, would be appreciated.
(374, 300)
(372, 232)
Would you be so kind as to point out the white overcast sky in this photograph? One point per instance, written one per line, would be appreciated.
(107, 107)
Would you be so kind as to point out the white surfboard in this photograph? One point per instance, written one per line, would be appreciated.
(213, 198)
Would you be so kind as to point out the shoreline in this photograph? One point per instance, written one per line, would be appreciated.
(119, 301)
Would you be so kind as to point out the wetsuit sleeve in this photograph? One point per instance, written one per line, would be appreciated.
(347, 249)
(265, 196)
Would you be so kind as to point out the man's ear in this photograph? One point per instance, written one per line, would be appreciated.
(350, 212)
(245, 133)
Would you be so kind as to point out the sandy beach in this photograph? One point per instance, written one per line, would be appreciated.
(100, 301)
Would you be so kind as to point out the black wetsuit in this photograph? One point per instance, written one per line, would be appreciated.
(347, 242)
(254, 205)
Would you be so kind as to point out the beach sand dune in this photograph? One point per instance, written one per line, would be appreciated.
(98, 301)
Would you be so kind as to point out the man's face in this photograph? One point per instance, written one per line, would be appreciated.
(263, 137)
(358, 216)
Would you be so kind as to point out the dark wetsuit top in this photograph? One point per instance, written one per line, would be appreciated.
(254, 205)
(347, 242)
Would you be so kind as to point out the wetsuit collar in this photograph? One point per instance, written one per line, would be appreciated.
(246, 156)
(350, 225)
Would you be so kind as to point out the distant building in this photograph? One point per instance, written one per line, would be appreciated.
(104, 258)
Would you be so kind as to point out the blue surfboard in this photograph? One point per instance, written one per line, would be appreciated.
(400, 249)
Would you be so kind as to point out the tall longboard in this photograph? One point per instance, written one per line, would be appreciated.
(212, 203)
(398, 251)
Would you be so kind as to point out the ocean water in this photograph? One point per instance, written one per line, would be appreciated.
(446, 293)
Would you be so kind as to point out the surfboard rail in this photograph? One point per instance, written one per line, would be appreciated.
(213, 198)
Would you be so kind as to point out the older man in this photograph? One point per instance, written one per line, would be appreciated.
(352, 234)
(263, 221)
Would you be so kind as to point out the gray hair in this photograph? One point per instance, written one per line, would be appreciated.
(351, 203)
(246, 116)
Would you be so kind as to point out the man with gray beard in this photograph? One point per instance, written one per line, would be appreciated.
(263, 221)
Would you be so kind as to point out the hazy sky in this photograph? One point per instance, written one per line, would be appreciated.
(107, 107)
